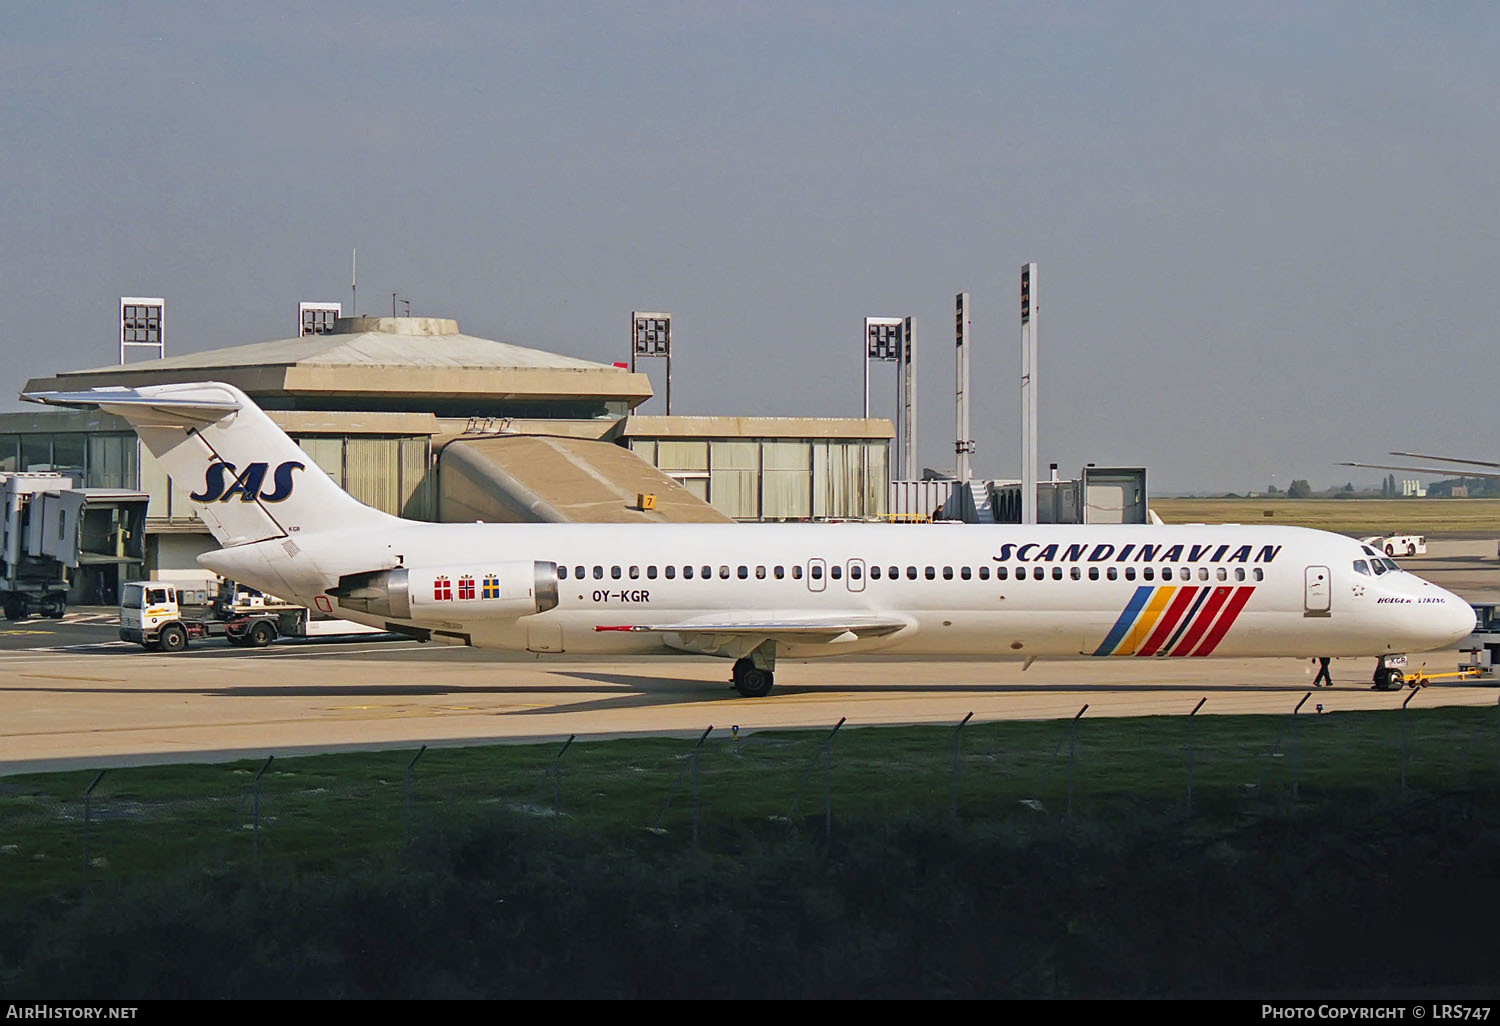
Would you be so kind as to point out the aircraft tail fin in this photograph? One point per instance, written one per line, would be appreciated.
(248, 481)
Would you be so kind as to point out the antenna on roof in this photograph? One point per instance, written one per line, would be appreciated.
(354, 283)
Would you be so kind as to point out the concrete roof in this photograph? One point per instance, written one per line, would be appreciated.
(390, 355)
(756, 427)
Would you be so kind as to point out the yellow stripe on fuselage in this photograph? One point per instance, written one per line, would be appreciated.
(1147, 620)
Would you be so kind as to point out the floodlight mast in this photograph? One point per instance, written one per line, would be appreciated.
(142, 325)
(317, 318)
(889, 340)
(651, 336)
(963, 445)
(1029, 318)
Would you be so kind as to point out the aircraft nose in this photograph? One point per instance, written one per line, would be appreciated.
(1458, 618)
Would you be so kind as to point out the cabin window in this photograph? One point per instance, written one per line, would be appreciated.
(1148, 573)
(669, 571)
(635, 573)
(687, 573)
(1258, 575)
(874, 573)
(707, 573)
(743, 572)
(723, 572)
(614, 572)
(1239, 573)
(930, 573)
(578, 573)
(797, 573)
(1130, 573)
(1076, 572)
(1057, 573)
(817, 572)
(1113, 573)
(651, 572)
(562, 572)
(855, 572)
(1166, 573)
(1223, 574)
(947, 573)
(1203, 573)
(779, 571)
(760, 573)
(911, 573)
(893, 572)
(1093, 573)
(598, 573)
(836, 572)
(1001, 573)
(984, 573)
(967, 573)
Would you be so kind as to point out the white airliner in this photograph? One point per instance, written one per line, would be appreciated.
(756, 593)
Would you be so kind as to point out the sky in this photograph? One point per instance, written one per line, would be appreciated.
(1267, 234)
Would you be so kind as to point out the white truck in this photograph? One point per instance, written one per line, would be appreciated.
(151, 615)
(1483, 646)
(54, 537)
(1398, 544)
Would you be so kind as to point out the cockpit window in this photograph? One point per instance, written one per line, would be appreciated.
(1378, 565)
(1369, 551)
(1389, 563)
(1361, 567)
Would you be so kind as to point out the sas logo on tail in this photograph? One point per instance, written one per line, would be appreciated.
(221, 483)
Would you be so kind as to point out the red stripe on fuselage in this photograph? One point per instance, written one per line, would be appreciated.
(1202, 620)
(1168, 624)
(1225, 621)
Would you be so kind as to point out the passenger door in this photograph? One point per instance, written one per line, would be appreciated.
(1317, 592)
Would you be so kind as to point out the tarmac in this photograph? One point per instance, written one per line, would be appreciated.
(72, 696)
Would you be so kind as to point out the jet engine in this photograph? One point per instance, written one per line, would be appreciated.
(473, 590)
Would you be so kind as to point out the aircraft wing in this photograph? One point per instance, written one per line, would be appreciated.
(1433, 471)
(791, 629)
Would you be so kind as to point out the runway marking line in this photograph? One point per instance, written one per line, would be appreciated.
(64, 676)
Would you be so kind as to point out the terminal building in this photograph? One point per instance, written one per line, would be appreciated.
(415, 418)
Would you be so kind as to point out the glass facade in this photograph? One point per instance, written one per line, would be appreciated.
(104, 460)
(389, 473)
(780, 478)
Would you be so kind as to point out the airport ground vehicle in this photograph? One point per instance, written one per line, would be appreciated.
(1483, 646)
(53, 535)
(1398, 544)
(152, 616)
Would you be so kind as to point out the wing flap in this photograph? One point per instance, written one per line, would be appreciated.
(803, 629)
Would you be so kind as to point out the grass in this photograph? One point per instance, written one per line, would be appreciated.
(318, 812)
(1358, 517)
(1087, 877)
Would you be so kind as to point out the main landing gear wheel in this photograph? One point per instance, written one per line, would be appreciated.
(751, 681)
